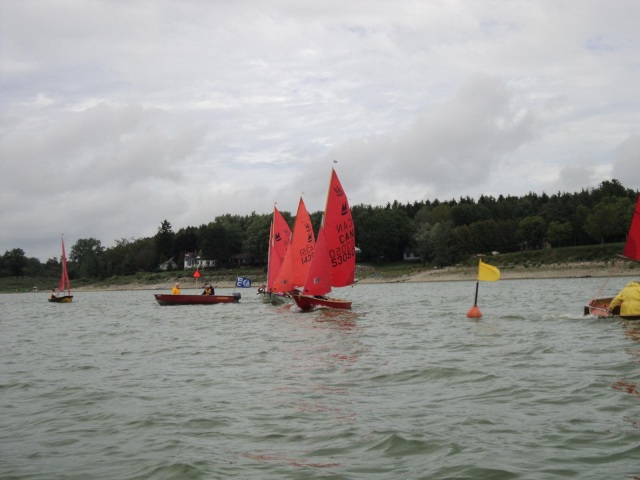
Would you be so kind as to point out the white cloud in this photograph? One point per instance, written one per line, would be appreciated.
(117, 115)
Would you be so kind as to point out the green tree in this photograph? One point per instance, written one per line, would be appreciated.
(440, 240)
(609, 219)
(14, 262)
(34, 268)
(422, 240)
(88, 256)
(256, 241)
(467, 213)
(117, 258)
(559, 233)
(532, 230)
(164, 241)
(186, 242)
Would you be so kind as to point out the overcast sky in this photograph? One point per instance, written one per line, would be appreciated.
(116, 115)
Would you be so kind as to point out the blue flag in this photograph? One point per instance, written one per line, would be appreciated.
(243, 282)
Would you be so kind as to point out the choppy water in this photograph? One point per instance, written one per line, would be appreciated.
(114, 386)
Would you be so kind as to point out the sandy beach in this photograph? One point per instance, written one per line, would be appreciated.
(570, 270)
(367, 274)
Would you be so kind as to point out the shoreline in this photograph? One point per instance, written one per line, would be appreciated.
(369, 275)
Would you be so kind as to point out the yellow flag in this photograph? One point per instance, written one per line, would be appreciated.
(488, 273)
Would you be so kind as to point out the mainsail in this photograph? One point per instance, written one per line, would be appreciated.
(318, 281)
(632, 247)
(64, 277)
(340, 234)
(279, 238)
(299, 253)
(334, 257)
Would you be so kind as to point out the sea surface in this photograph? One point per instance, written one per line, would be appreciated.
(404, 386)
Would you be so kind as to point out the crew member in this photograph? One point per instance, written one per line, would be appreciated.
(628, 299)
(176, 290)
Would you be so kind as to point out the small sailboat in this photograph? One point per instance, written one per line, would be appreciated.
(64, 282)
(334, 256)
(600, 306)
(297, 258)
(279, 238)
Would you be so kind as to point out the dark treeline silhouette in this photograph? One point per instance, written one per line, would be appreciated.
(436, 232)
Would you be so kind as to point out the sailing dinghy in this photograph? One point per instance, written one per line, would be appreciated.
(334, 256)
(297, 258)
(64, 282)
(279, 238)
(600, 306)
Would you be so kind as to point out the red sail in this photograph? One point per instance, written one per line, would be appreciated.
(279, 238)
(632, 247)
(299, 253)
(340, 235)
(318, 280)
(303, 245)
(64, 277)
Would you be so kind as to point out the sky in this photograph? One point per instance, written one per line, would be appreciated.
(116, 115)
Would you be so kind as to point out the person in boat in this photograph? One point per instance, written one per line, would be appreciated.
(53, 294)
(628, 299)
(176, 289)
(208, 290)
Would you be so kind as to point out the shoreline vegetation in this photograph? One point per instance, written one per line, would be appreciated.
(366, 274)
(568, 262)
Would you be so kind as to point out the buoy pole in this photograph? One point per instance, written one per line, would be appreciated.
(474, 312)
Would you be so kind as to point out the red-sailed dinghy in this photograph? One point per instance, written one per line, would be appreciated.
(334, 256)
(64, 282)
(600, 306)
(279, 239)
(297, 258)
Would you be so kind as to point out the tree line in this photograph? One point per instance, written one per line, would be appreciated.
(440, 232)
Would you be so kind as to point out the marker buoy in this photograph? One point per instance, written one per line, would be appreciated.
(474, 312)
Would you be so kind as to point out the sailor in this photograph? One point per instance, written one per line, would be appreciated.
(176, 290)
(628, 299)
(208, 289)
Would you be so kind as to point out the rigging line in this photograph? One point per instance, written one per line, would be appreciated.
(611, 269)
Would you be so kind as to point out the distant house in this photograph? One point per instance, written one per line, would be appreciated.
(411, 256)
(193, 261)
(241, 259)
(168, 265)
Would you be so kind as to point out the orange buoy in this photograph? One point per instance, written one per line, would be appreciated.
(474, 312)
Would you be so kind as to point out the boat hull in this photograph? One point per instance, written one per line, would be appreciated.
(599, 307)
(309, 302)
(274, 298)
(62, 299)
(168, 299)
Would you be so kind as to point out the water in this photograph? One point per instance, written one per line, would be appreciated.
(114, 386)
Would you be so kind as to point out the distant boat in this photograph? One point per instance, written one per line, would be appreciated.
(64, 282)
(600, 306)
(297, 258)
(334, 256)
(279, 238)
(169, 299)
